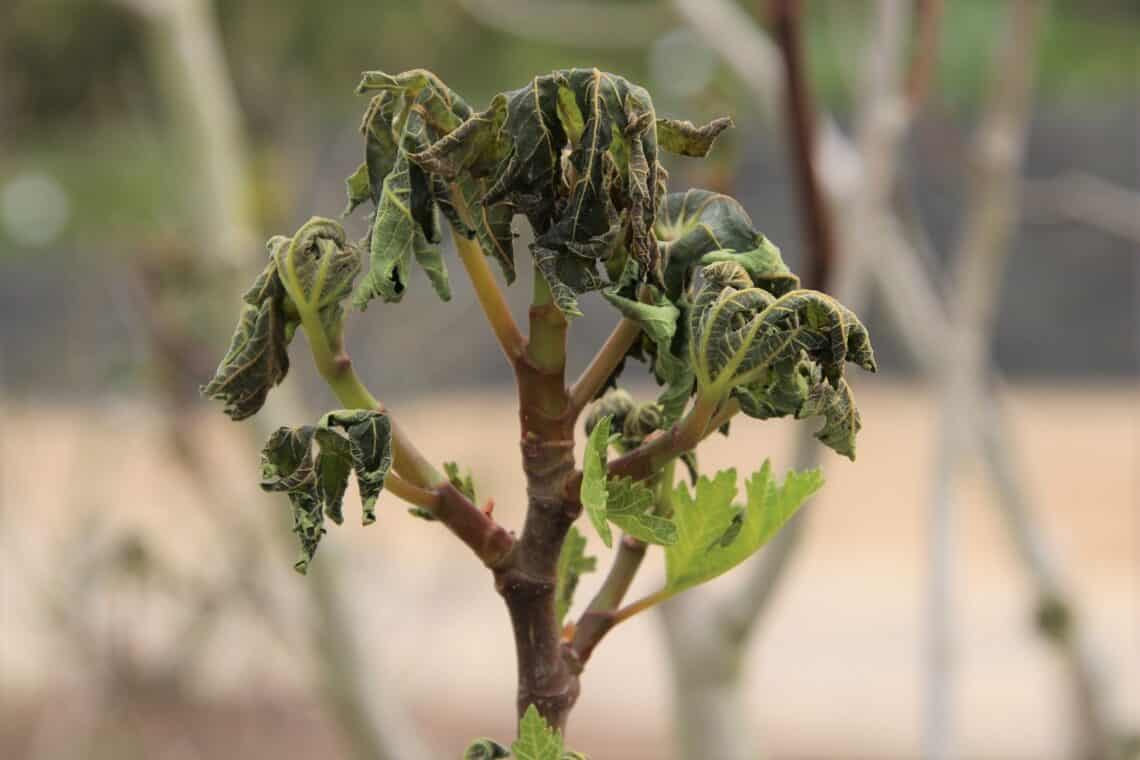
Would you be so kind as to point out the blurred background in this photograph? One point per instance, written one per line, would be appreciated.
(969, 588)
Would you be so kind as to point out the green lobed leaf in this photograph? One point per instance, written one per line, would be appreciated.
(593, 490)
(572, 564)
(715, 536)
(630, 505)
(536, 740)
(485, 749)
(257, 358)
(686, 139)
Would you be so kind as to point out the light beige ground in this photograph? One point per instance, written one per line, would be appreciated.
(835, 671)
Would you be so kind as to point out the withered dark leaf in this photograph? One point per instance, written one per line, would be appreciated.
(257, 358)
(699, 222)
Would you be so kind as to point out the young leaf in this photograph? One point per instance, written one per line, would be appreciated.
(593, 491)
(572, 564)
(462, 482)
(686, 139)
(485, 749)
(258, 357)
(714, 535)
(629, 505)
(317, 268)
(537, 740)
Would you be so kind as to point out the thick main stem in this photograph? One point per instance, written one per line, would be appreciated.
(527, 577)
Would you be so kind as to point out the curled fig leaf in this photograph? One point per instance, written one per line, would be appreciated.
(312, 464)
(258, 357)
(699, 222)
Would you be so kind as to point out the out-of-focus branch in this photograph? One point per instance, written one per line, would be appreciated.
(572, 22)
(924, 56)
(819, 239)
(1086, 199)
(187, 49)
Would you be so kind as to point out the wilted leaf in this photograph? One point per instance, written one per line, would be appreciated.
(317, 268)
(715, 536)
(593, 491)
(287, 466)
(316, 483)
(698, 222)
(629, 505)
(370, 446)
(841, 417)
(537, 740)
(404, 226)
(572, 564)
(738, 334)
(686, 139)
(258, 356)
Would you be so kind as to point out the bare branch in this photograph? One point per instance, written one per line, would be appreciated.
(570, 22)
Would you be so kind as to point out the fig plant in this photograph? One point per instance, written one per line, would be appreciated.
(703, 300)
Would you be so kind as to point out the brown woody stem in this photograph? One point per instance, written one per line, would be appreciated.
(527, 577)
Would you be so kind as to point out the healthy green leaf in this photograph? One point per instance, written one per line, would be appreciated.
(714, 535)
(686, 139)
(258, 357)
(593, 491)
(485, 749)
(629, 505)
(537, 740)
(572, 564)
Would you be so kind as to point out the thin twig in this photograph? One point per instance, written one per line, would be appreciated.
(491, 297)
(609, 356)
